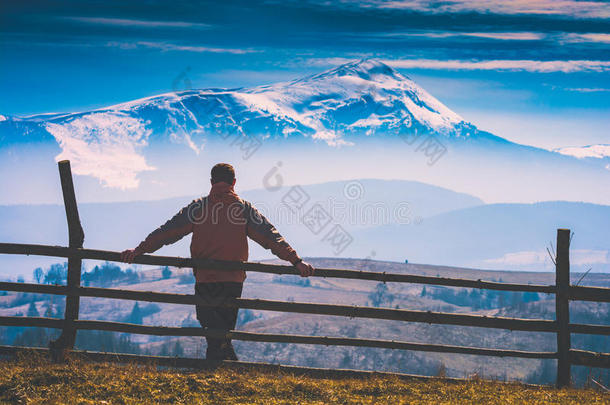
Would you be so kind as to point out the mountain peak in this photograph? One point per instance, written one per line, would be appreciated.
(365, 69)
(360, 97)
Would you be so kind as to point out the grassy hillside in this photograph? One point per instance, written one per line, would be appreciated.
(32, 380)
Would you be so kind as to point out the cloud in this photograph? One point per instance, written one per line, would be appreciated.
(579, 257)
(586, 89)
(565, 66)
(506, 36)
(525, 65)
(165, 46)
(124, 22)
(572, 8)
(575, 38)
(323, 62)
(105, 146)
(512, 36)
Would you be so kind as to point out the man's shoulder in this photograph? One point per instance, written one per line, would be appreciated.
(197, 202)
(246, 203)
(250, 209)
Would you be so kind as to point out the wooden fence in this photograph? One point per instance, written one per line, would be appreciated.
(75, 253)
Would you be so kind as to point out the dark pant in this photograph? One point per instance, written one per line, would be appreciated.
(215, 316)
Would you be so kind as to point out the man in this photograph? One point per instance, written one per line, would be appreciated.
(220, 224)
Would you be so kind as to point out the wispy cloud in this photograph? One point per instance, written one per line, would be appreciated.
(165, 46)
(573, 8)
(323, 62)
(124, 22)
(557, 37)
(510, 36)
(541, 258)
(587, 89)
(593, 37)
(566, 66)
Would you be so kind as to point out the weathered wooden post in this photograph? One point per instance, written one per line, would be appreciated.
(562, 306)
(76, 237)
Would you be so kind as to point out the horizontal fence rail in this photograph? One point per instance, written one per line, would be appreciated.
(576, 293)
(75, 253)
(579, 357)
(526, 325)
(58, 251)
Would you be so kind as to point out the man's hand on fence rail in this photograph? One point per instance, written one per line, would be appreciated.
(305, 269)
(129, 255)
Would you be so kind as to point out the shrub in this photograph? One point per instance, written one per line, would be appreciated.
(108, 274)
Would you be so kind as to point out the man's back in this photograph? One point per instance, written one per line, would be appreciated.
(220, 223)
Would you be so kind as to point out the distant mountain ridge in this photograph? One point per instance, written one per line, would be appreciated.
(117, 226)
(386, 220)
(499, 236)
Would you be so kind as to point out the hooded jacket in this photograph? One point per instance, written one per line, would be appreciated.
(220, 224)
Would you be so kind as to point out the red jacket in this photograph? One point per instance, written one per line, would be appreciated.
(220, 223)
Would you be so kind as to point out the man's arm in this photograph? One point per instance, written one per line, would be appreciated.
(170, 232)
(264, 233)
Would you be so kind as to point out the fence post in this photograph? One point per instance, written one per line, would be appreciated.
(562, 306)
(76, 237)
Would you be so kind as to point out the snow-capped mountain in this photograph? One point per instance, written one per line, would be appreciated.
(361, 119)
(365, 97)
(360, 97)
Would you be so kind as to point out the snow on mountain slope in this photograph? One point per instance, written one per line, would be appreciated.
(594, 151)
(366, 91)
(104, 145)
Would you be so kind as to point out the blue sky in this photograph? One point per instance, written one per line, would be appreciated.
(535, 72)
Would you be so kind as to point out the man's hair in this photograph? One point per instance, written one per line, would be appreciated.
(223, 172)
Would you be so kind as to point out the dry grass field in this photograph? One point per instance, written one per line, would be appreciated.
(33, 380)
